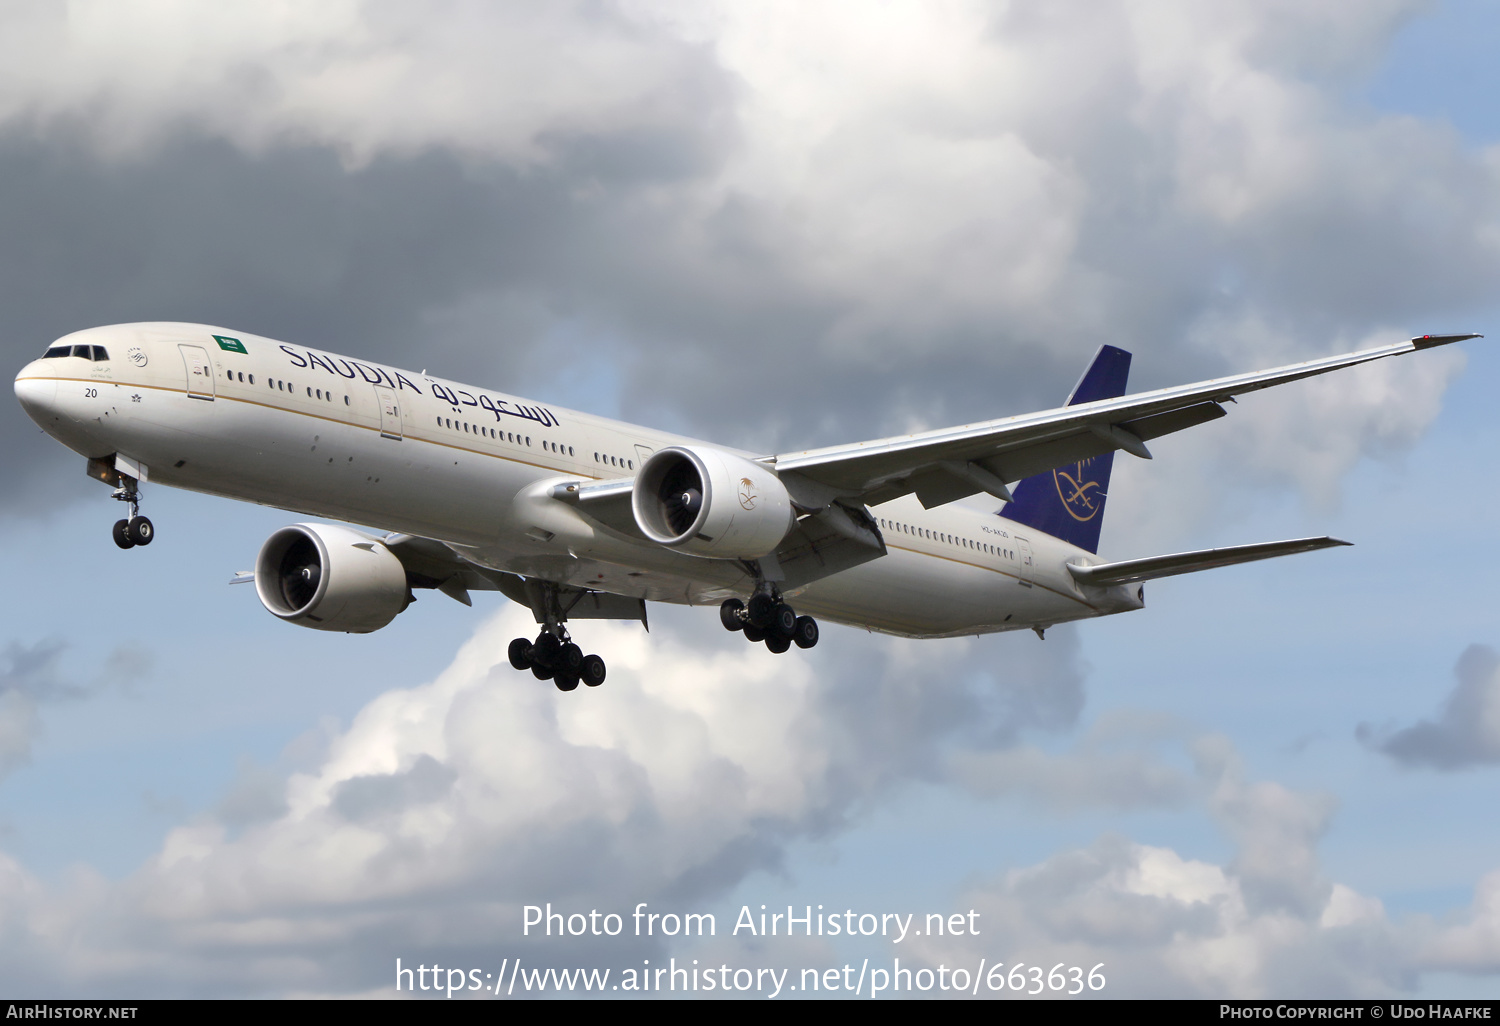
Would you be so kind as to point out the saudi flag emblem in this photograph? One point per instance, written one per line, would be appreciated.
(232, 345)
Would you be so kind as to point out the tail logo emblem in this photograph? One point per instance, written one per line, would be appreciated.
(1081, 497)
(747, 497)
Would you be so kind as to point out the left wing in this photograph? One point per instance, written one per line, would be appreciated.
(1130, 571)
(431, 564)
(949, 463)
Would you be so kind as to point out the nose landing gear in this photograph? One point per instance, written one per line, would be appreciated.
(767, 618)
(137, 530)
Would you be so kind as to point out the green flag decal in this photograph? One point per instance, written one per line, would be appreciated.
(232, 345)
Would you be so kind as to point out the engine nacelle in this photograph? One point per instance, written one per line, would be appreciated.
(330, 579)
(711, 503)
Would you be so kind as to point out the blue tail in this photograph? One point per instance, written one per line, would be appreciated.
(1068, 502)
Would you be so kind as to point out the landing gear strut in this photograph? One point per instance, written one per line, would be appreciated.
(137, 530)
(767, 618)
(553, 655)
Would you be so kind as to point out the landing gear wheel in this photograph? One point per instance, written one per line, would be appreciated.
(541, 672)
(806, 635)
(730, 614)
(122, 534)
(140, 531)
(569, 660)
(784, 622)
(545, 651)
(761, 610)
(754, 634)
(778, 644)
(519, 654)
(566, 680)
(592, 671)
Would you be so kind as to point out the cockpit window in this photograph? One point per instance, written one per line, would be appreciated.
(97, 354)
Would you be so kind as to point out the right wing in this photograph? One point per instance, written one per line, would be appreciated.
(949, 463)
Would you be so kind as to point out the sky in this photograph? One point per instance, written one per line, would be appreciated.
(774, 226)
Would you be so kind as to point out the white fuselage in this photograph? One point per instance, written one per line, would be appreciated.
(350, 440)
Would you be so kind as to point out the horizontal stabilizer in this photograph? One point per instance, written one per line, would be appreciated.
(1131, 570)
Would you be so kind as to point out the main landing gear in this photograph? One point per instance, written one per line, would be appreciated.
(137, 530)
(766, 618)
(553, 656)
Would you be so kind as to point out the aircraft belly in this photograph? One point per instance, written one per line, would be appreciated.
(916, 595)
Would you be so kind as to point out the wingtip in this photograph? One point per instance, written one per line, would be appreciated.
(1429, 341)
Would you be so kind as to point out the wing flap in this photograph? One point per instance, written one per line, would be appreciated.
(1152, 567)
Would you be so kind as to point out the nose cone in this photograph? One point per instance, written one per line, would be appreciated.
(37, 391)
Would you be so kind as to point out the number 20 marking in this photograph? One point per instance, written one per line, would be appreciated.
(91, 393)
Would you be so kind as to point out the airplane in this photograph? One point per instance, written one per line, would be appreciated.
(579, 517)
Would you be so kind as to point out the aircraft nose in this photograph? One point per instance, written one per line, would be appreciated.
(36, 390)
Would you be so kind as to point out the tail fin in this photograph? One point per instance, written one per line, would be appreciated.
(1068, 502)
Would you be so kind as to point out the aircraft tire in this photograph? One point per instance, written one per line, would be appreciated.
(569, 659)
(122, 534)
(140, 530)
(566, 680)
(784, 622)
(729, 614)
(760, 611)
(593, 671)
(806, 635)
(778, 644)
(545, 650)
(519, 654)
(541, 672)
(754, 634)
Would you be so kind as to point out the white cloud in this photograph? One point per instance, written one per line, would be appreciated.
(443, 808)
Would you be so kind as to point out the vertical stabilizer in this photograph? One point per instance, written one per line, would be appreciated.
(1068, 502)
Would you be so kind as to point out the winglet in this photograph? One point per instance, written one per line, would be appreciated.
(1429, 341)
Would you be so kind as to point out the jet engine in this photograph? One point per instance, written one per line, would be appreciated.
(330, 579)
(711, 503)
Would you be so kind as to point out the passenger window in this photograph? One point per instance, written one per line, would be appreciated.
(252, 379)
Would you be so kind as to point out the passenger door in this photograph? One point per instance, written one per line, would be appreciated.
(390, 413)
(200, 372)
